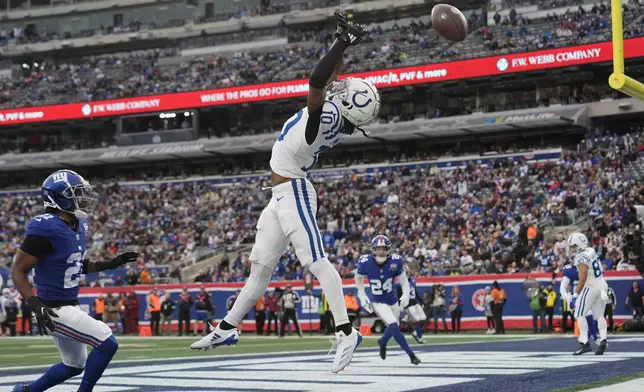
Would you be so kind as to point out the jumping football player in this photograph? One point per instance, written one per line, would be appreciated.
(568, 281)
(330, 116)
(55, 246)
(591, 292)
(414, 310)
(381, 268)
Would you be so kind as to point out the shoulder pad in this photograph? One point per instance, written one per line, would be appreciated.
(582, 258)
(41, 225)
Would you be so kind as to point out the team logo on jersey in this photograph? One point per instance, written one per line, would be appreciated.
(85, 226)
(478, 299)
(393, 267)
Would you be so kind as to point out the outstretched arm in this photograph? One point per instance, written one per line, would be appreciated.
(328, 70)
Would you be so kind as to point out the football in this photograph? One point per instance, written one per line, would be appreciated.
(449, 22)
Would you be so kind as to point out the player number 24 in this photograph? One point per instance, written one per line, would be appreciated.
(379, 287)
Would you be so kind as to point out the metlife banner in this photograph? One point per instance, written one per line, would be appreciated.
(428, 73)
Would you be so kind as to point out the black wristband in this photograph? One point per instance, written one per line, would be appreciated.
(323, 71)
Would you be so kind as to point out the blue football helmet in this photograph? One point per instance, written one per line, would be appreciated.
(380, 246)
(67, 191)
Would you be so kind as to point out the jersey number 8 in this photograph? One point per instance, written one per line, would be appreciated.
(73, 273)
(597, 269)
(378, 287)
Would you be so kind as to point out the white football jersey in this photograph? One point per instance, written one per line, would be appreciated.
(595, 277)
(292, 157)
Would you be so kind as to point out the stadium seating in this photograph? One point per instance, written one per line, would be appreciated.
(390, 44)
(436, 218)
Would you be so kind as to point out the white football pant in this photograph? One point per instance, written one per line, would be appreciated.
(416, 313)
(289, 217)
(75, 330)
(389, 314)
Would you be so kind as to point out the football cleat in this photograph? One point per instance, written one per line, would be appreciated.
(344, 347)
(414, 359)
(583, 349)
(218, 337)
(383, 349)
(415, 336)
(602, 347)
(20, 388)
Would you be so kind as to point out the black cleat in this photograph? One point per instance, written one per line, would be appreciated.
(583, 349)
(383, 350)
(601, 348)
(414, 359)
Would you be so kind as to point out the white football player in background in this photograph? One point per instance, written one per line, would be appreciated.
(330, 116)
(591, 293)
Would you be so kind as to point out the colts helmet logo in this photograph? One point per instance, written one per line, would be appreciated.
(478, 300)
(363, 100)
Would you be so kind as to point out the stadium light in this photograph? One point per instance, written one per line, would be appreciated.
(618, 80)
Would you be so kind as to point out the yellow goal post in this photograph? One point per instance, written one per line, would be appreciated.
(618, 79)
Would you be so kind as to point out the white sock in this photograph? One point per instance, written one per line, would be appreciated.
(332, 286)
(602, 325)
(583, 329)
(254, 288)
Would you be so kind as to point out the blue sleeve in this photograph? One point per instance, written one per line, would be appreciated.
(40, 226)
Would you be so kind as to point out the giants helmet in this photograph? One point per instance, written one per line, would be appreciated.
(67, 191)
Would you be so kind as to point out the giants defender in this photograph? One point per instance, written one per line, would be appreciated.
(290, 215)
(414, 310)
(591, 292)
(381, 268)
(54, 246)
(568, 283)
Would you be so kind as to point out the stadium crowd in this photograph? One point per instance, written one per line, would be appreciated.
(479, 219)
(399, 43)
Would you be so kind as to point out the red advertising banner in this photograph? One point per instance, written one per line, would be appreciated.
(429, 73)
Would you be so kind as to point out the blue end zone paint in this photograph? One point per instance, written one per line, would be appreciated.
(541, 381)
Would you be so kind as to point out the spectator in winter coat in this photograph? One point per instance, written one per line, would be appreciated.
(132, 313)
(167, 309)
(456, 309)
(184, 306)
(273, 306)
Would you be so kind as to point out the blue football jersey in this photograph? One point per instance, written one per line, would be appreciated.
(570, 272)
(381, 277)
(57, 276)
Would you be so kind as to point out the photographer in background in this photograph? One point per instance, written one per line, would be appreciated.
(438, 306)
(205, 310)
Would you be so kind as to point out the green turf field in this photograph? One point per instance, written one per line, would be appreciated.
(25, 351)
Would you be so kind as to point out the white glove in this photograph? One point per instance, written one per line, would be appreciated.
(567, 297)
(404, 301)
(365, 303)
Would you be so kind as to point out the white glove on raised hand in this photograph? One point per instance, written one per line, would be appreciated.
(365, 303)
(404, 301)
